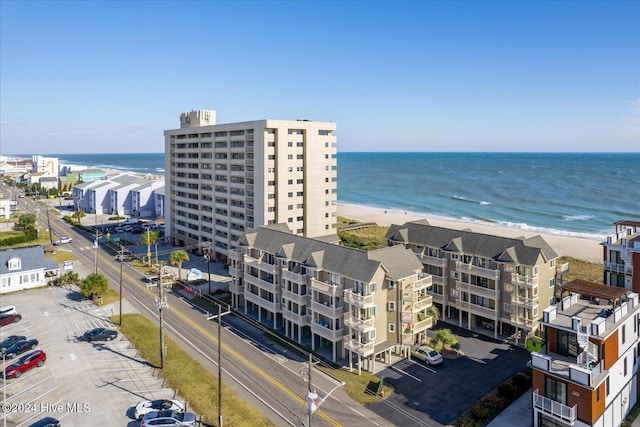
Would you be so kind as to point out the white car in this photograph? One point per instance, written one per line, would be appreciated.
(8, 309)
(148, 406)
(63, 240)
(427, 355)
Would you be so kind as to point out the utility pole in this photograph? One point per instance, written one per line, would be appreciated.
(207, 256)
(95, 243)
(219, 366)
(312, 396)
(161, 303)
(49, 227)
(121, 262)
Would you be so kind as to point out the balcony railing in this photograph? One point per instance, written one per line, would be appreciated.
(326, 309)
(422, 283)
(272, 306)
(555, 409)
(431, 260)
(260, 265)
(515, 320)
(326, 332)
(438, 298)
(359, 348)
(294, 277)
(294, 297)
(298, 319)
(476, 309)
(478, 290)
(421, 304)
(362, 301)
(518, 279)
(326, 288)
(524, 301)
(362, 325)
(618, 268)
(489, 273)
(234, 288)
(262, 284)
(567, 367)
(234, 271)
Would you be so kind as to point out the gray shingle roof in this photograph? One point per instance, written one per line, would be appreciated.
(501, 249)
(349, 262)
(32, 258)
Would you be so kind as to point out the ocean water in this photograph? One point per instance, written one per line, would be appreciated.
(578, 194)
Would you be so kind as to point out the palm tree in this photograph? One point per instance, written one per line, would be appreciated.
(434, 313)
(79, 214)
(94, 285)
(149, 238)
(177, 258)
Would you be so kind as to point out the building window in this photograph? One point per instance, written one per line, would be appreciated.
(552, 263)
(391, 306)
(392, 327)
(289, 219)
(556, 390)
(624, 334)
(454, 293)
(508, 287)
(290, 207)
(271, 196)
(597, 395)
(508, 308)
(552, 282)
(625, 366)
(606, 387)
(289, 144)
(290, 181)
(289, 156)
(290, 194)
(271, 157)
(567, 344)
(392, 284)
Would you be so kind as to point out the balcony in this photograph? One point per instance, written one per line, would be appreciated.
(361, 301)
(488, 273)
(262, 284)
(478, 290)
(326, 310)
(363, 350)
(361, 325)
(555, 409)
(515, 320)
(418, 305)
(326, 288)
(520, 280)
(439, 280)
(422, 283)
(423, 325)
(294, 277)
(235, 288)
(326, 332)
(618, 268)
(567, 367)
(476, 309)
(293, 297)
(272, 306)
(431, 260)
(437, 298)
(523, 301)
(298, 319)
(260, 265)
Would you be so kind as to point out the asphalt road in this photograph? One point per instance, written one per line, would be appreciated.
(266, 376)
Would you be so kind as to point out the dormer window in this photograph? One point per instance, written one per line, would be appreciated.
(14, 263)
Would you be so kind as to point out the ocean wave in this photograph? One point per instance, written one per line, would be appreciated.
(577, 217)
(485, 203)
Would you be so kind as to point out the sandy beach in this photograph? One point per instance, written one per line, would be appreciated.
(575, 247)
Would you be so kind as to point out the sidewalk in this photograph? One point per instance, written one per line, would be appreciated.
(519, 413)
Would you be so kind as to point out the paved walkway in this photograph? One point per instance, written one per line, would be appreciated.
(519, 413)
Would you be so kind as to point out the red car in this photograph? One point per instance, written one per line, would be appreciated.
(26, 362)
(7, 319)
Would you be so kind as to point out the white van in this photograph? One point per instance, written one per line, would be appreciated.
(130, 221)
(8, 309)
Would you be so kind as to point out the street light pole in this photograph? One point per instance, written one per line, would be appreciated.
(121, 262)
(161, 304)
(219, 366)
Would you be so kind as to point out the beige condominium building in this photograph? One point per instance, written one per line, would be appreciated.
(342, 301)
(484, 281)
(222, 179)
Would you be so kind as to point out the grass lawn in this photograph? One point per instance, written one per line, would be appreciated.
(194, 383)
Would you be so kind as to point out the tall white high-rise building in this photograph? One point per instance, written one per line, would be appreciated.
(222, 179)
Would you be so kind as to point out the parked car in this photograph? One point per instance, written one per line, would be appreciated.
(9, 341)
(427, 355)
(168, 418)
(127, 229)
(7, 319)
(147, 406)
(120, 257)
(118, 230)
(20, 347)
(26, 362)
(99, 334)
(63, 240)
(46, 422)
(8, 309)
(138, 230)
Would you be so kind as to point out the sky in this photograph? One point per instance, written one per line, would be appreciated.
(478, 76)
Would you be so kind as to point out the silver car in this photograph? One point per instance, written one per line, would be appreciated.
(427, 355)
(169, 418)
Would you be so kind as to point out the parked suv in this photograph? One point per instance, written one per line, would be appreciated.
(26, 362)
(20, 347)
(169, 418)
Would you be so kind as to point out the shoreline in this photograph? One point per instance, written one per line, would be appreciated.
(575, 247)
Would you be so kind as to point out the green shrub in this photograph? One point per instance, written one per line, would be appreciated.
(522, 381)
(507, 390)
(480, 412)
(27, 236)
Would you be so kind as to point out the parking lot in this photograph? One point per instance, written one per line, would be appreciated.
(81, 383)
(444, 391)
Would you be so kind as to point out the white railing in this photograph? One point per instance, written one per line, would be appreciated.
(518, 279)
(555, 409)
(326, 288)
(362, 325)
(294, 277)
(489, 273)
(362, 301)
(359, 348)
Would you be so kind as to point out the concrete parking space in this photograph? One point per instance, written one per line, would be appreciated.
(81, 383)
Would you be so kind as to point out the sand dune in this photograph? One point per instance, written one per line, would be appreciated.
(579, 248)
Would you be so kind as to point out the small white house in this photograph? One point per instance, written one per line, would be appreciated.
(25, 268)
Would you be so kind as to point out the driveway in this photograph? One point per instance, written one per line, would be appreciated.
(438, 395)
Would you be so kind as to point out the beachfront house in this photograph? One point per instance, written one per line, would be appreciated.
(586, 373)
(621, 254)
(223, 179)
(341, 302)
(484, 282)
(25, 268)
